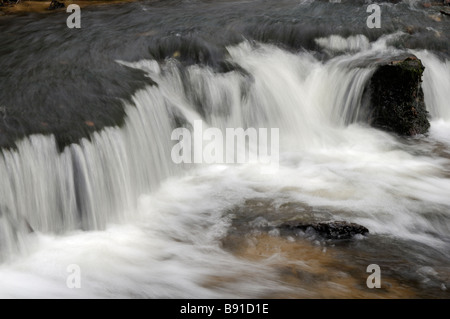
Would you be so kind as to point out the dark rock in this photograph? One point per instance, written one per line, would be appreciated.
(327, 230)
(397, 100)
(56, 5)
(8, 2)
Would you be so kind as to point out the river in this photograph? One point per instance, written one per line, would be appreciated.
(88, 180)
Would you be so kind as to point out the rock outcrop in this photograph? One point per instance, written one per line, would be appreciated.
(397, 100)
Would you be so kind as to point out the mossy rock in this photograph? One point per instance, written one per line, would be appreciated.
(397, 100)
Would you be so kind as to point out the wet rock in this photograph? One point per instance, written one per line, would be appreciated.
(56, 5)
(410, 29)
(227, 66)
(396, 96)
(327, 230)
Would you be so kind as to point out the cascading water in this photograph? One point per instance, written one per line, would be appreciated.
(87, 185)
(436, 80)
(138, 225)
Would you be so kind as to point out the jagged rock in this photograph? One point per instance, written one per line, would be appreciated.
(397, 100)
(328, 230)
(56, 5)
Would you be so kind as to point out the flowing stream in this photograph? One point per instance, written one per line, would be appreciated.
(87, 176)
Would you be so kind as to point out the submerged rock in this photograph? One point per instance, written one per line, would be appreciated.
(328, 230)
(397, 100)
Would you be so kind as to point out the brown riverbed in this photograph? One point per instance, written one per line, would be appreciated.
(42, 6)
(313, 267)
(311, 271)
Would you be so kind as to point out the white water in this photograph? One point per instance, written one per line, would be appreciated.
(88, 185)
(436, 81)
(150, 241)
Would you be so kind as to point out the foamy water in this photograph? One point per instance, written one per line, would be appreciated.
(153, 229)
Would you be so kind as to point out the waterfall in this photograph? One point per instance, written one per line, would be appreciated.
(87, 185)
(436, 81)
(272, 88)
(98, 181)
